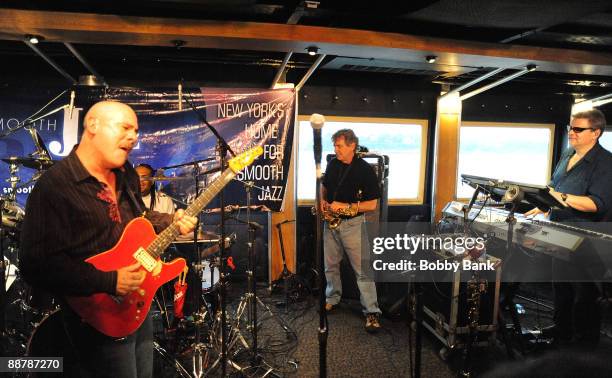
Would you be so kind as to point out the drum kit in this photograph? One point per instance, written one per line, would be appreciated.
(205, 334)
(24, 308)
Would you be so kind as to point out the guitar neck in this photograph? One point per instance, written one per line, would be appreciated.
(163, 240)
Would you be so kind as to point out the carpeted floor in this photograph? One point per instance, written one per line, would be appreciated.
(352, 352)
(288, 342)
(288, 345)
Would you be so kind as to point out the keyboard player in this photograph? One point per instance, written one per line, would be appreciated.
(582, 182)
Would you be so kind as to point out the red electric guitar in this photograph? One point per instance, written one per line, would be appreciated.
(119, 316)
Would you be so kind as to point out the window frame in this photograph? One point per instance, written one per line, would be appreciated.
(551, 146)
(424, 123)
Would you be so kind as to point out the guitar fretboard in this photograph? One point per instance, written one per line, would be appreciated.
(163, 240)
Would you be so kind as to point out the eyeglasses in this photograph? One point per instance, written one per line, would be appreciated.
(578, 130)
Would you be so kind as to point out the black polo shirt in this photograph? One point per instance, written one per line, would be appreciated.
(71, 217)
(592, 177)
(360, 183)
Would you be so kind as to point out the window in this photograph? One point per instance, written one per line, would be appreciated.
(506, 151)
(403, 140)
(606, 139)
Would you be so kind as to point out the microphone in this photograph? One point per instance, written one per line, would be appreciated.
(317, 121)
(71, 106)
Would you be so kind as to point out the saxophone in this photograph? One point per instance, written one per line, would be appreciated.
(333, 218)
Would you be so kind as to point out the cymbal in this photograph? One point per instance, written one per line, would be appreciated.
(165, 178)
(29, 162)
(203, 237)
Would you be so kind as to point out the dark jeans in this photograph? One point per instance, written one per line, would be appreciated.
(577, 312)
(98, 355)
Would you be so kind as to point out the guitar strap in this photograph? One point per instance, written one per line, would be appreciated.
(133, 202)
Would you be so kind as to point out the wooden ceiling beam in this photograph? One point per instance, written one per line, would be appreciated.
(149, 31)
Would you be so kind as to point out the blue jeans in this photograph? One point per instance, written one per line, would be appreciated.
(350, 236)
(101, 356)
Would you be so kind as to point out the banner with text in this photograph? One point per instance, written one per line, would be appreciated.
(171, 135)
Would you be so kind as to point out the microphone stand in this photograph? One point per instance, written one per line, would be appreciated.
(323, 325)
(251, 278)
(32, 121)
(418, 317)
(223, 148)
(317, 121)
(198, 316)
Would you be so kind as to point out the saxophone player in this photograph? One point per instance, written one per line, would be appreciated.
(349, 189)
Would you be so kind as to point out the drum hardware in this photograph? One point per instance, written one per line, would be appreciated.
(250, 300)
(13, 180)
(41, 149)
(232, 338)
(12, 214)
(3, 278)
(222, 149)
(199, 355)
(231, 208)
(182, 372)
(39, 159)
(229, 241)
(29, 162)
(217, 348)
(203, 237)
(165, 178)
(161, 306)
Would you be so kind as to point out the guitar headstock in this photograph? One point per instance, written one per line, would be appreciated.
(245, 159)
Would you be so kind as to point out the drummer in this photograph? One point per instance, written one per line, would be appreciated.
(152, 198)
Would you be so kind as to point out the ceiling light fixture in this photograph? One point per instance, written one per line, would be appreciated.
(90, 81)
(431, 58)
(312, 50)
(178, 43)
(33, 39)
